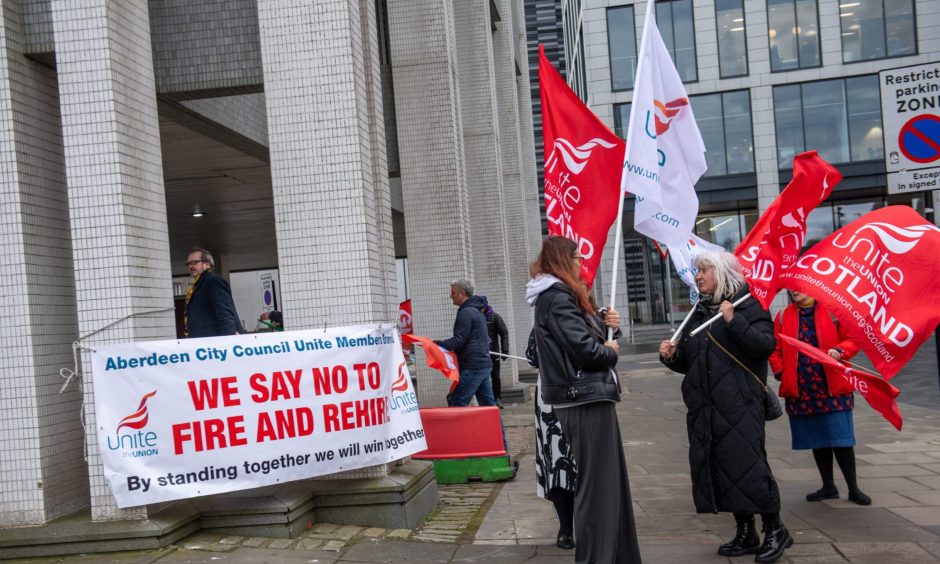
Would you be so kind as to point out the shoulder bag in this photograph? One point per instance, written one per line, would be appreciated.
(772, 408)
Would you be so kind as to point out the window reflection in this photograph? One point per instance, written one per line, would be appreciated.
(794, 34)
(876, 29)
(725, 123)
(732, 45)
(824, 120)
(621, 39)
(621, 119)
(674, 20)
(722, 229)
(818, 226)
(822, 116)
(865, 118)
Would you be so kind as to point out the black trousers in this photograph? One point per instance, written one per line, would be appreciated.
(494, 376)
(604, 526)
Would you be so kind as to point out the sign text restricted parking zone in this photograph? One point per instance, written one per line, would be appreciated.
(910, 108)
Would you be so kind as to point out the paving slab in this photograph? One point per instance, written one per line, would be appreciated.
(398, 551)
(882, 552)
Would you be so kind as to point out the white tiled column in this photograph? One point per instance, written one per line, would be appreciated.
(430, 141)
(530, 179)
(42, 474)
(328, 164)
(116, 201)
(483, 148)
(504, 62)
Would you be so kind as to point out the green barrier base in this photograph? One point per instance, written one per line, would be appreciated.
(487, 469)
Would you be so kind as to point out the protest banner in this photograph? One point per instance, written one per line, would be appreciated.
(179, 419)
(878, 275)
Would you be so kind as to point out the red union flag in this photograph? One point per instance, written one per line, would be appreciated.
(775, 242)
(582, 169)
(437, 358)
(878, 275)
(877, 392)
(404, 317)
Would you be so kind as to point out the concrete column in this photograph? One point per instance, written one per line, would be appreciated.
(482, 149)
(431, 153)
(530, 177)
(116, 201)
(328, 164)
(43, 476)
(506, 61)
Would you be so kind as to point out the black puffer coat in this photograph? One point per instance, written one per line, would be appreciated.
(726, 410)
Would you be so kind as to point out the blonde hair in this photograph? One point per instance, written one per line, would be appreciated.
(728, 276)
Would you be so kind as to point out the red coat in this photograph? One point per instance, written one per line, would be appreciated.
(830, 336)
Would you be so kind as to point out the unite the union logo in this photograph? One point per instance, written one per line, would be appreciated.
(136, 442)
(405, 401)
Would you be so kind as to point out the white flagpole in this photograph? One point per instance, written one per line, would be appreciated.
(688, 316)
(618, 236)
(716, 316)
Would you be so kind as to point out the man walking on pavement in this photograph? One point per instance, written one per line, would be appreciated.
(209, 310)
(471, 343)
(499, 343)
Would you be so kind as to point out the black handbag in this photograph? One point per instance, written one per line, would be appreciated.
(772, 408)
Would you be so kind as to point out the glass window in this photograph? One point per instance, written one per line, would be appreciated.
(621, 119)
(621, 40)
(818, 226)
(722, 229)
(788, 121)
(877, 29)
(794, 34)
(865, 118)
(725, 123)
(822, 116)
(825, 124)
(674, 19)
(732, 44)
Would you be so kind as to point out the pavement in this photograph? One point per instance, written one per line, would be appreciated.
(507, 523)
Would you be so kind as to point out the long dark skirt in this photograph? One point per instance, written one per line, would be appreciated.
(605, 530)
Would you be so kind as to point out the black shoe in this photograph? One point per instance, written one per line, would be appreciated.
(746, 541)
(565, 541)
(499, 404)
(776, 539)
(859, 497)
(825, 492)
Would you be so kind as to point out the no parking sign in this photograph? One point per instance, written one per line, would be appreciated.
(910, 109)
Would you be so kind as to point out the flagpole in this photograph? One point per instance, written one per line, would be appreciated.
(688, 316)
(715, 318)
(668, 260)
(618, 237)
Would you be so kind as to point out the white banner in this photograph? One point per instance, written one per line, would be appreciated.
(179, 419)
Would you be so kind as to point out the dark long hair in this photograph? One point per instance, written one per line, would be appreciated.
(557, 258)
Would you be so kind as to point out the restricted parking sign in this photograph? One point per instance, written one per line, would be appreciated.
(910, 115)
(919, 139)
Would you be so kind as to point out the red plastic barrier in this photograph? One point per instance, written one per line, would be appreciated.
(461, 432)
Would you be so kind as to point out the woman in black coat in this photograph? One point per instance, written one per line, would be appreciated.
(725, 371)
(577, 379)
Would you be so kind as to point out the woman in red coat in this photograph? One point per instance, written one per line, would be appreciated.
(819, 400)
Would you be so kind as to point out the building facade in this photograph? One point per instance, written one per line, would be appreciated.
(767, 79)
(321, 142)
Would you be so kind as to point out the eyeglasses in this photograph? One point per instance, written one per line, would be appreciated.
(194, 262)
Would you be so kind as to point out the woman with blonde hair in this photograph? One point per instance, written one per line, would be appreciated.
(578, 380)
(725, 369)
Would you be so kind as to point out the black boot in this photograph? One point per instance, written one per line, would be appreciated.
(776, 539)
(746, 541)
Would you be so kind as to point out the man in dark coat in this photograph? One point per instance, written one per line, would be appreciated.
(471, 343)
(210, 309)
(499, 342)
